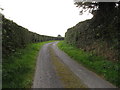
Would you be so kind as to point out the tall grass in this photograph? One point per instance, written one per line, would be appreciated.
(18, 69)
(106, 69)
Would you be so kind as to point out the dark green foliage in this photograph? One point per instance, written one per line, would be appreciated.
(15, 36)
(96, 6)
(100, 34)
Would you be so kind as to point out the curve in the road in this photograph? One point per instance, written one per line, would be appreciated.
(45, 76)
(48, 75)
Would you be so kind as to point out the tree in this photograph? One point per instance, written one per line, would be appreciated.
(59, 35)
(94, 6)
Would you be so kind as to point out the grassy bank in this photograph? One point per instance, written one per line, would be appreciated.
(19, 68)
(98, 64)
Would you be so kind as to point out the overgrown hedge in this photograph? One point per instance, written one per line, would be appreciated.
(98, 35)
(15, 36)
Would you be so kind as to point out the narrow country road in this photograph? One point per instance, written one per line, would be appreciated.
(55, 69)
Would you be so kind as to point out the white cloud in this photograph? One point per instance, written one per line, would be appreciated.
(47, 17)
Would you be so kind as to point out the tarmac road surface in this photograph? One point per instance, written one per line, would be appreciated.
(50, 75)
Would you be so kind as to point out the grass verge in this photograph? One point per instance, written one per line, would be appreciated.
(18, 69)
(106, 69)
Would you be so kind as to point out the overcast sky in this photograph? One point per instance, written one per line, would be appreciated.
(46, 17)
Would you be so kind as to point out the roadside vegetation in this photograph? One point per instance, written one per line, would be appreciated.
(105, 68)
(15, 37)
(18, 69)
(19, 54)
(100, 33)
